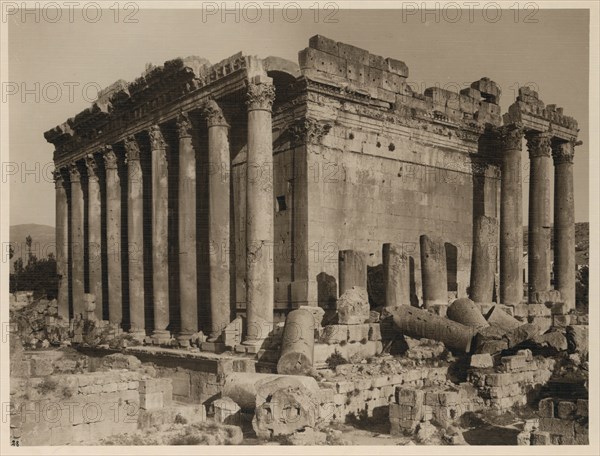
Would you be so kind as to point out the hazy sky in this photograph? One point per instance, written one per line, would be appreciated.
(551, 54)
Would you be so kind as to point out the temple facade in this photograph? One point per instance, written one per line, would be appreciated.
(251, 187)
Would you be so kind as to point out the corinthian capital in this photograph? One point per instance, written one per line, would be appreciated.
(214, 114)
(511, 137)
(184, 125)
(59, 179)
(91, 166)
(110, 158)
(157, 140)
(74, 172)
(132, 148)
(563, 152)
(539, 145)
(260, 96)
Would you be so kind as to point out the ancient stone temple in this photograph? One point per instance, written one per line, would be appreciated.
(198, 193)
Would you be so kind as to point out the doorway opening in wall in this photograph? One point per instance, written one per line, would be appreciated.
(281, 204)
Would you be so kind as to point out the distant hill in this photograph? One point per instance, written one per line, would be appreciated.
(43, 237)
(582, 242)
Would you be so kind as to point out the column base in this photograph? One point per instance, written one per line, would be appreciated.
(161, 337)
(137, 334)
(184, 339)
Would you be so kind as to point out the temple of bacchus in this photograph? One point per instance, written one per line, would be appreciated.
(202, 192)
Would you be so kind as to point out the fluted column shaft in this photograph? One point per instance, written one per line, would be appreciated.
(160, 217)
(188, 284)
(94, 210)
(218, 218)
(511, 218)
(77, 260)
(113, 237)
(483, 264)
(539, 227)
(564, 222)
(259, 212)
(135, 233)
(62, 239)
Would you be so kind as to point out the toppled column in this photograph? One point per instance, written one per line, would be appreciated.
(62, 240)
(466, 312)
(352, 270)
(160, 235)
(113, 237)
(511, 217)
(260, 268)
(248, 390)
(396, 276)
(135, 234)
(498, 318)
(297, 344)
(420, 323)
(94, 207)
(539, 148)
(564, 221)
(433, 271)
(483, 264)
(77, 258)
(188, 294)
(218, 219)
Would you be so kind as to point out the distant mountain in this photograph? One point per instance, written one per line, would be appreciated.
(43, 241)
(582, 242)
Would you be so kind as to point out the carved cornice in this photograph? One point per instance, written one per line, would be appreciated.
(110, 158)
(511, 137)
(74, 172)
(539, 144)
(563, 152)
(184, 126)
(214, 114)
(260, 96)
(132, 149)
(157, 140)
(308, 131)
(91, 166)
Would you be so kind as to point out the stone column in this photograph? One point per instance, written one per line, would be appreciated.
(352, 270)
(564, 221)
(511, 217)
(77, 259)
(113, 237)
(188, 284)
(218, 218)
(62, 240)
(259, 211)
(94, 208)
(540, 150)
(396, 276)
(483, 262)
(135, 241)
(434, 274)
(160, 238)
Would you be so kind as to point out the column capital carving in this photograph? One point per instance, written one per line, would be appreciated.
(563, 152)
(309, 130)
(511, 137)
(91, 166)
(539, 144)
(214, 114)
(74, 172)
(132, 149)
(59, 178)
(184, 125)
(157, 140)
(260, 96)
(110, 158)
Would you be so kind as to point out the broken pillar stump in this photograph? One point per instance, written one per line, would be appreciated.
(466, 312)
(484, 259)
(353, 306)
(297, 344)
(396, 278)
(352, 270)
(419, 323)
(433, 271)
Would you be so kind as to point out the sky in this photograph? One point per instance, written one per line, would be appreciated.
(71, 57)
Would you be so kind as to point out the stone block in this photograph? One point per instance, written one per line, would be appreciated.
(482, 361)
(353, 53)
(514, 363)
(377, 61)
(409, 396)
(353, 306)
(334, 334)
(357, 72)
(324, 44)
(498, 379)
(538, 310)
(578, 339)
(344, 387)
(374, 331)
(150, 401)
(313, 59)
(560, 308)
(397, 66)
(358, 333)
(566, 410)
(582, 407)
(557, 426)
(540, 438)
(227, 411)
(546, 408)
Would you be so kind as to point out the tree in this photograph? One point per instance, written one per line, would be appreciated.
(38, 275)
